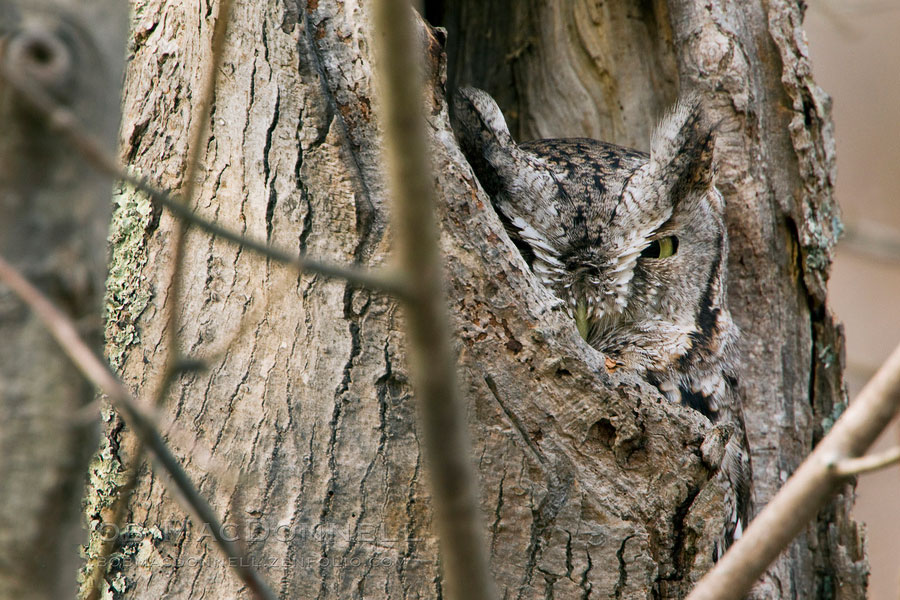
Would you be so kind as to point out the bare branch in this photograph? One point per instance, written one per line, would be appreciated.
(387, 282)
(67, 123)
(866, 464)
(199, 125)
(872, 241)
(62, 328)
(447, 447)
(118, 511)
(808, 489)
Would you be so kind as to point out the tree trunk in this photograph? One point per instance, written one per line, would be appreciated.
(54, 215)
(302, 431)
(604, 70)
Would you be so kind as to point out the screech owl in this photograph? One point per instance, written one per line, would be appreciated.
(635, 247)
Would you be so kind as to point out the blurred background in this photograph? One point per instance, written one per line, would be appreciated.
(855, 50)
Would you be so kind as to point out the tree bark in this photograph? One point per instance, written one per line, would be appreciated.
(302, 429)
(775, 158)
(54, 215)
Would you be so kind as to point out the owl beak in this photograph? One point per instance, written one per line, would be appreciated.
(581, 319)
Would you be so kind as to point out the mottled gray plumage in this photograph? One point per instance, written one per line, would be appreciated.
(635, 246)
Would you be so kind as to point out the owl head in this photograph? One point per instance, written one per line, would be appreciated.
(632, 243)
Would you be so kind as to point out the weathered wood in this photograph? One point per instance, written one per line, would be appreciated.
(604, 70)
(54, 216)
(775, 157)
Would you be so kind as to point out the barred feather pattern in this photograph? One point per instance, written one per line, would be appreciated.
(635, 247)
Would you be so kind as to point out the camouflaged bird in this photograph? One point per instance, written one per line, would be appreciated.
(635, 247)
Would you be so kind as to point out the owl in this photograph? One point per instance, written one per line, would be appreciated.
(634, 246)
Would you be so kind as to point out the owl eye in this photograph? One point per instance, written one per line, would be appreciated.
(661, 248)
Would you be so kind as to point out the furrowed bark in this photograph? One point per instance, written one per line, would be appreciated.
(775, 157)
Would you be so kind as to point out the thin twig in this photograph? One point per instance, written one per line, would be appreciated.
(64, 121)
(808, 489)
(387, 282)
(866, 464)
(123, 495)
(199, 125)
(62, 328)
(871, 241)
(108, 545)
(447, 450)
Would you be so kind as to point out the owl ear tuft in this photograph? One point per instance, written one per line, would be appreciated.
(484, 138)
(681, 148)
(521, 187)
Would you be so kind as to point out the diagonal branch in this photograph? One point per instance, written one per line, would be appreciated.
(68, 124)
(61, 327)
(199, 123)
(808, 489)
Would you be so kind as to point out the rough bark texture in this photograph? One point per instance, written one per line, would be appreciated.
(302, 431)
(54, 215)
(775, 159)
